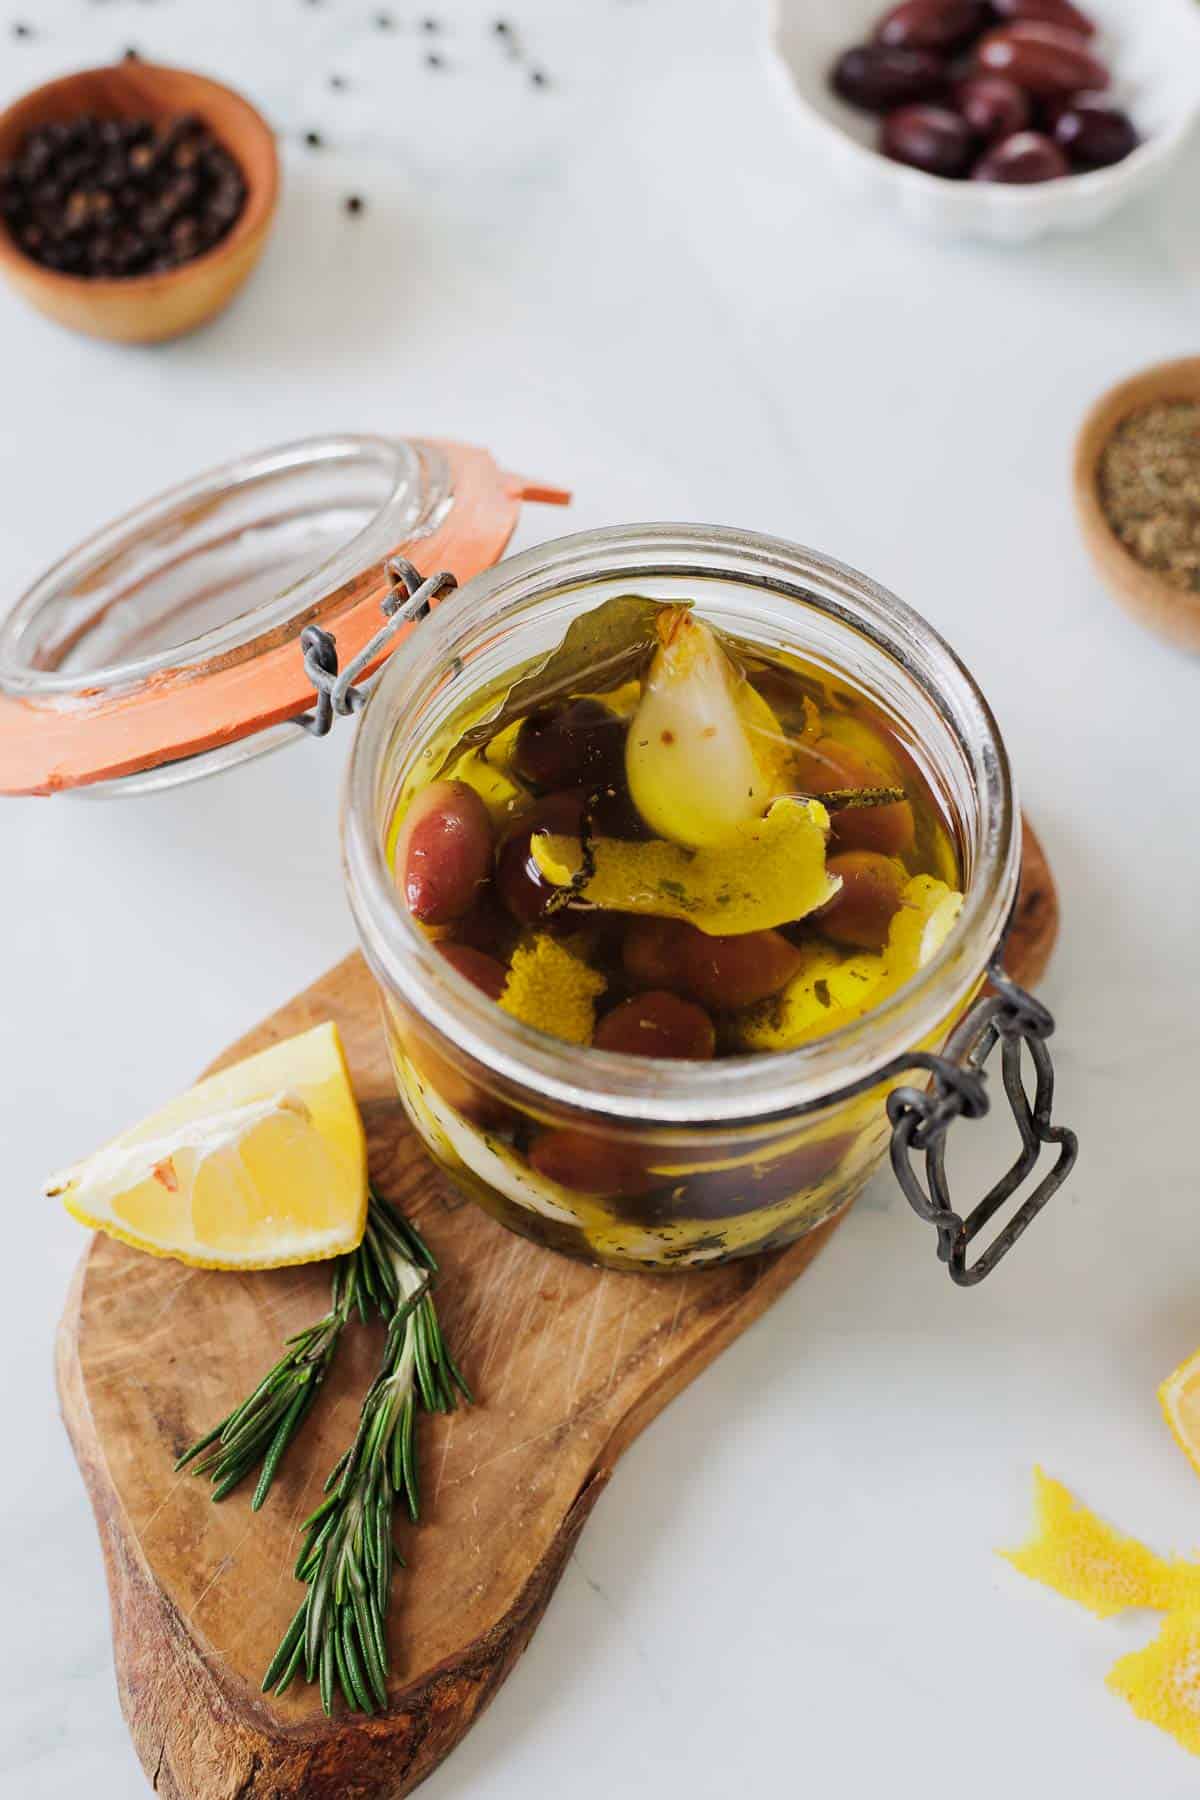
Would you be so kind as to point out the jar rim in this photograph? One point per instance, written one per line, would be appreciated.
(740, 1090)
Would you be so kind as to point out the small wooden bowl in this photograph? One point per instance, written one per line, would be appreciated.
(1173, 612)
(144, 309)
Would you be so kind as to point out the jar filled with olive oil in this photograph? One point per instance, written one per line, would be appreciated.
(667, 845)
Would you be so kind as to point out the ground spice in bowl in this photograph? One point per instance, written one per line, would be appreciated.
(120, 197)
(1149, 486)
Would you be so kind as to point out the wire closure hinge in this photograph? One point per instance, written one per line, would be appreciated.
(339, 692)
(921, 1118)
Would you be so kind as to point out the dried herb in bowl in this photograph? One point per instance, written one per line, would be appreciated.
(1149, 486)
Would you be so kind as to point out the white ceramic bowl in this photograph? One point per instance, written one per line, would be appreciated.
(1151, 46)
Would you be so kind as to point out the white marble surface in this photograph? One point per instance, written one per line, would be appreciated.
(629, 282)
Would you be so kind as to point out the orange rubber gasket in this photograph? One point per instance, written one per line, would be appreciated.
(46, 747)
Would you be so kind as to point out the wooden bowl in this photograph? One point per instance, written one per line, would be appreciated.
(144, 309)
(1173, 612)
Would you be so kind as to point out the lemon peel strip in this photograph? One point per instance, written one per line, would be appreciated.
(771, 872)
(1086, 1560)
(552, 989)
(1162, 1682)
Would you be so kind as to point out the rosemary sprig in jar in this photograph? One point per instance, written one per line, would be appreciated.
(338, 1635)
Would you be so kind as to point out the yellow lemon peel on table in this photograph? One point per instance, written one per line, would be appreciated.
(1087, 1561)
(1162, 1682)
(260, 1165)
(771, 872)
(553, 989)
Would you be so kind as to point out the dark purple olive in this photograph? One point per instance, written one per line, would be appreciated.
(930, 138)
(444, 852)
(1042, 59)
(658, 1024)
(519, 882)
(876, 78)
(932, 24)
(993, 106)
(1047, 12)
(570, 746)
(1094, 135)
(1026, 157)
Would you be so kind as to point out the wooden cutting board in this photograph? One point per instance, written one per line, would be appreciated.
(569, 1364)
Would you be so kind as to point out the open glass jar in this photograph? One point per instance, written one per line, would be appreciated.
(681, 1164)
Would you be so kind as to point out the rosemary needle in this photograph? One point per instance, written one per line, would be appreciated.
(338, 1637)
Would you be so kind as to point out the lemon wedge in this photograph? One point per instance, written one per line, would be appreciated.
(262, 1164)
(1179, 1397)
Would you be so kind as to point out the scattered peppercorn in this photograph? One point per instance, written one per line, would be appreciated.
(337, 83)
(354, 203)
(119, 197)
(430, 25)
(384, 21)
(539, 78)
(313, 139)
(434, 61)
(502, 28)
(132, 55)
(21, 30)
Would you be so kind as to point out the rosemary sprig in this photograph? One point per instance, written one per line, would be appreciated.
(338, 1635)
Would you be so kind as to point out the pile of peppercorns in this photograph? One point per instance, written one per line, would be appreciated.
(994, 90)
(106, 198)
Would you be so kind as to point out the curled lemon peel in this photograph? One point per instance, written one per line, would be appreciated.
(831, 989)
(554, 990)
(1162, 1682)
(1087, 1561)
(772, 871)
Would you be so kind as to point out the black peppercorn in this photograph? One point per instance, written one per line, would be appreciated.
(313, 139)
(354, 203)
(539, 78)
(434, 61)
(119, 197)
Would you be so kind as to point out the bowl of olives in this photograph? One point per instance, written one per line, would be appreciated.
(1001, 119)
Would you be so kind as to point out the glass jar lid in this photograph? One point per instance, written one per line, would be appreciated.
(165, 646)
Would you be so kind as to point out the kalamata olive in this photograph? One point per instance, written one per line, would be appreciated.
(590, 1163)
(932, 24)
(487, 974)
(825, 766)
(657, 1024)
(1042, 59)
(1094, 135)
(582, 743)
(931, 138)
(519, 882)
(993, 106)
(720, 972)
(872, 886)
(487, 927)
(1047, 12)
(729, 1193)
(728, 972)
(876, 78)
(1027, 157)
(444, 852)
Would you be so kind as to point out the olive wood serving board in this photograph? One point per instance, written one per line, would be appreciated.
(568, 1362)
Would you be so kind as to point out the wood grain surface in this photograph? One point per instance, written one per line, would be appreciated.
(569, 1364)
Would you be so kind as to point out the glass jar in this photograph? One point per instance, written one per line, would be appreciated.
(671, 1165)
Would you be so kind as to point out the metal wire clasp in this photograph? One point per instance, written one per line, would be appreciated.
(408, 599)
(921, 1118)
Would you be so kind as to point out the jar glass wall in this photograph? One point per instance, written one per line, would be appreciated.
(667, 1164)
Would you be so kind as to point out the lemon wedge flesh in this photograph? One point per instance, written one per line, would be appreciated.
(260, 1165)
